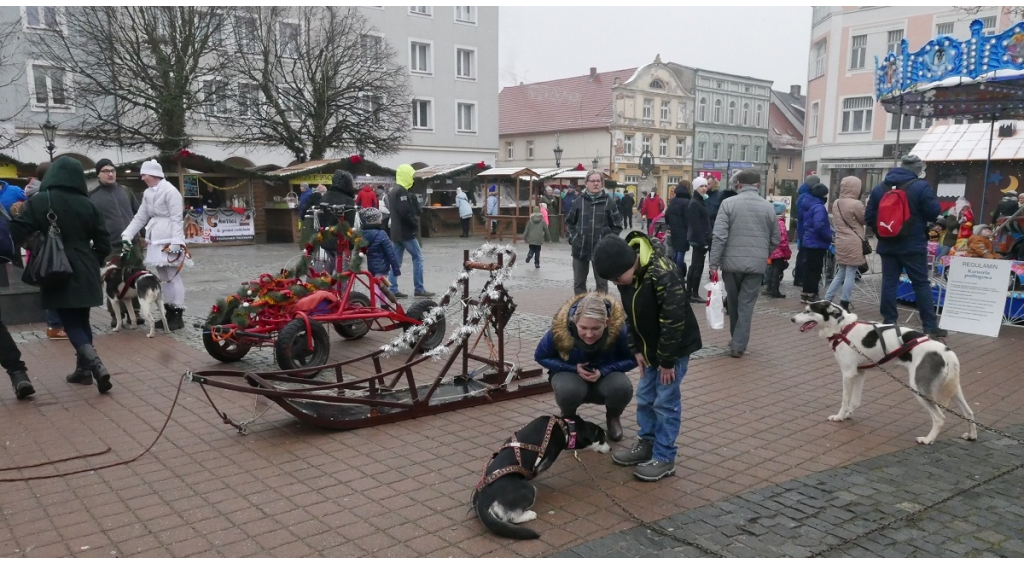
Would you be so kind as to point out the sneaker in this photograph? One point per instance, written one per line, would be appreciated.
(400, 295)
(937, 333)
(56, 334)
(640, 452)
(423, 294)
(654, 470)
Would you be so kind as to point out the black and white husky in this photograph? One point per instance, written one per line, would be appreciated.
(504, 496)
(121, 285)
(934, 368)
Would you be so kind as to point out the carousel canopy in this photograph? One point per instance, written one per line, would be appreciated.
(970, 142)
(982, 76)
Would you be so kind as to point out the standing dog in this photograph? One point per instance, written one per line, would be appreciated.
(934, 368)
(121, 285)
(504, 496)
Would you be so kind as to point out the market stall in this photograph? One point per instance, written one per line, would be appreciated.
(513, 202)
(437, 186)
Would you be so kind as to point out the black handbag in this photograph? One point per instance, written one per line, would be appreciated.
(48, 266)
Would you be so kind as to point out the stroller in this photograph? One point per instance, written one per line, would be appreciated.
(658, 228)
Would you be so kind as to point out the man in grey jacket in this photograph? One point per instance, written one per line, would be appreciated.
(592, 217)
(119, 206)
(745, 233)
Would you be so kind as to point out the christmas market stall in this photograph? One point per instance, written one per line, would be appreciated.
(513, 199)
(437, 187)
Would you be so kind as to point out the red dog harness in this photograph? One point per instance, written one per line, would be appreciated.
(127, 283)
(568, 428)
(843, 337)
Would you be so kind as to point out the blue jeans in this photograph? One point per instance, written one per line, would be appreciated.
(413, 246)
(659, 409)
(52, 319)
(916, 267)
(845, 275)
(76, 325)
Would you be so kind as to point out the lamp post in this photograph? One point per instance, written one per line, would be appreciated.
(775, 169)
(49, 133)
(595, 162)
(558, 153)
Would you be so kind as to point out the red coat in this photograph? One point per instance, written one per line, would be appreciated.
(652, 207)
(367, 198)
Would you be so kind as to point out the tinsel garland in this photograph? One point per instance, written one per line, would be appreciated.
(222, 188)
(287, 287)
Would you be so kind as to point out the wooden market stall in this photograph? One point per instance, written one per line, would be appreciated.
(437, 185)
(513, 202)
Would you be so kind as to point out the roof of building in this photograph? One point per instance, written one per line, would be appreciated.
(787, 135)
(580, 102)
(796, 104)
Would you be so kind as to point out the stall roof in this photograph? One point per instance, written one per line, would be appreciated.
(444, 171)
(969, 142)
(576, 175)
(511, 172)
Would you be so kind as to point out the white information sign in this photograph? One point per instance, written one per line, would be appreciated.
(975, 295)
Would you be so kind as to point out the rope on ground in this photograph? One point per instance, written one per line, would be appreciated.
(159, 434)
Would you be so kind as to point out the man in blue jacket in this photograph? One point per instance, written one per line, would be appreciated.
(801, 258)
(908, 252)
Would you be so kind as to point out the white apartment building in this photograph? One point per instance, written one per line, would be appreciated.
(846, 131)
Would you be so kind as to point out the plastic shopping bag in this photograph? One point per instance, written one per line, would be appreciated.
(714, 306)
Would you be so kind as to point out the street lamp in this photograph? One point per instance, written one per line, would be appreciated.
(49, 133)
(558, 154)
(775, 169)
(595, 161)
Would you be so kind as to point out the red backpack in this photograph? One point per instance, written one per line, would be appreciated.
(893, 212)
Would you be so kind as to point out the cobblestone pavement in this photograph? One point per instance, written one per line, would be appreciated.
(760, 470)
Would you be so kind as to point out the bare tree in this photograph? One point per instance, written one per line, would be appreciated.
(10, 73)
(1012, 11)
(317, 79)
(137, 71)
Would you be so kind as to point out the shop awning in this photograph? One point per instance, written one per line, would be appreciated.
(969, 142)
(510, 172)
(443, 172)
(576, 175)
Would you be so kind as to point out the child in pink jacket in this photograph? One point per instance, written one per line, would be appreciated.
(778, 262)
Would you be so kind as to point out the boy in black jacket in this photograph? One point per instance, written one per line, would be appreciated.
(664, 333)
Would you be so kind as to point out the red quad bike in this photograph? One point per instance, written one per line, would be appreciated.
(300, 339)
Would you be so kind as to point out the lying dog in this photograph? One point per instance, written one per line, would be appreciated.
(504, 496)
(121, 285)
(934, 368)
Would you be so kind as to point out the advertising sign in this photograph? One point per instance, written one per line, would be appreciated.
(788, 200)
(716, 174)
(219, 225)
(975, 295)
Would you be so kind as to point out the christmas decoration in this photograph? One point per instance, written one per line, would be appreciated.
(355, 159)
(579, 167)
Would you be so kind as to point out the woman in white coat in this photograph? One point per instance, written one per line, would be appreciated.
(162, 214)
(465, 210)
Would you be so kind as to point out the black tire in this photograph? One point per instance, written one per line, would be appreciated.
(354, 329)
(225, 351)
(418, 311)
(291, 347)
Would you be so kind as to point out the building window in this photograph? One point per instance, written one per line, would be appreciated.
(288, 39)
(744, 152)
(858, 51)
(732, 113)
(813, 129)
(465, 14)
(666, 111)
(857, 114)
(663, 147)
(680, 147)
(701, 146)
(746, 114)
(909, 122)
(648, 108)
(673, 180)
(631, 179)
(50, 86)
(757, 153)
(215, 97)
(419, 57)
(789, 167)
(715, 150)
(246, 32)
(702, 109)
(467, 117)
(529, 149)
(421, 114)
(42, 17)
(681, 118)
(248, 99)
(657, 84)
(718, 111)
(421, 10)
(894, 38)
(291, 107)
(944, 28)
(819, 13)
(645, 145)
(510, 150)
(819, 59)
(758, 115)
(465, 63)
(371, 46)
(627, 146)
(988, 24)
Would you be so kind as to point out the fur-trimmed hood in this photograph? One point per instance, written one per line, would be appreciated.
(564, 331)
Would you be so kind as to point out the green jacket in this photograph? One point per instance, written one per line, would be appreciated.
(82, 230)
(536, 232)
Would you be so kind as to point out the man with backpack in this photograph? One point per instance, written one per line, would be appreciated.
(899, 210)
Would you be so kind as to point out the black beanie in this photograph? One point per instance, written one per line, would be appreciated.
(820, 191)
(102, 163)
(612, 257)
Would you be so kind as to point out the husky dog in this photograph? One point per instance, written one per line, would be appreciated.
(121, 285)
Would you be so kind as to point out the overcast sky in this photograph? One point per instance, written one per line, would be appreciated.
(540, 43)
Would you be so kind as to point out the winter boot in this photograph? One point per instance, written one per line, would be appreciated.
(22, 386)
(160, 322)
(82, 374)
(175, 318)
(846, 306)
(92, 360)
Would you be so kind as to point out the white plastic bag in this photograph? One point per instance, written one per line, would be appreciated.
(714, 306)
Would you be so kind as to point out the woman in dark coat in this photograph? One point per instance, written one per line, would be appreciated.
(86, 243)
(698, 224)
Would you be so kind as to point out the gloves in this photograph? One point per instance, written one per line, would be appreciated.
(126, 245)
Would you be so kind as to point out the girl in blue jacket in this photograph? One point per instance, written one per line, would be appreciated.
(817, 238)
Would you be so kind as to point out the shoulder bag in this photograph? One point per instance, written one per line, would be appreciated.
(48, 266)
(865, 247)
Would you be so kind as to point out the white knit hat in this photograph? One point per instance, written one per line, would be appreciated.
(699, 181)
(152, 168)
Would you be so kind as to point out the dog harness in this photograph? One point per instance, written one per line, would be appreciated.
(568, 429)
(843, 337)
(127, 283)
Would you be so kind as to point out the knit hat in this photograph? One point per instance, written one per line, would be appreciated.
(102, 163)
(820, 191)
(699, 181)
(812, 180)
(152, 168)
(342, 182)
(780, 208)
(612, 257)
(493, 188)
(913, 163)
(371, 216)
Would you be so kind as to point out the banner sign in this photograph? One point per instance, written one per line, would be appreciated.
(219, 225)
(975, 295)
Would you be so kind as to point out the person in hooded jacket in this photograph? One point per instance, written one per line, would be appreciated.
(678, 224)
(817, 238)
(1007, 206)
(779, 259)
(535, 233)
(341, 192)
(380, 253)
(593, 216)
(465, 210)
(86, 242)
(801, 259)
(366, 198)
(405, 227)
(848, 221)
(909, 252)
(492, 206)
(698, 224)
